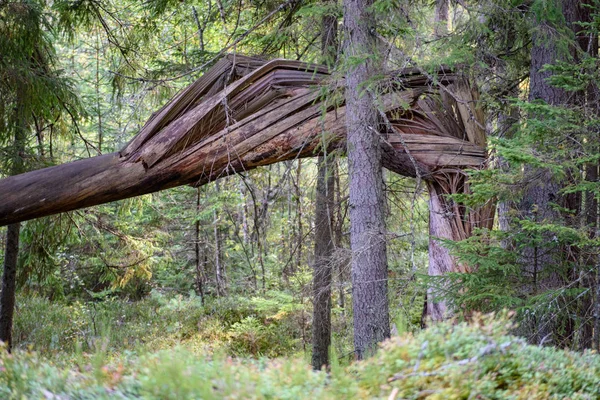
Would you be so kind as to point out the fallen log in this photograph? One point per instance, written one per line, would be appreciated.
(244, 113)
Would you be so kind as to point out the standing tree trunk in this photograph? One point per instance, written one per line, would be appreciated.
(367, 230)
(200, 262)
(324, 240)
(9, 276)
(300, 237)
(219, 272)
(323, 263)
(591, 328)
(441, 18)
(543, 190)
(340, 262)
(11, 255)
(98, 103)
(440, 260)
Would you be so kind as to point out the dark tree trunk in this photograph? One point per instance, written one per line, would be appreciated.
(542, 189)
(11, 255)
(367, 224)
(324, 238)
(300, 237)
(219, 267)
(441, 18)
(7, 296)
(591, 327)
(200, 256)
(341, 263)
(323, 262)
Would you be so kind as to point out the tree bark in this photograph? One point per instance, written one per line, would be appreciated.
(323, 263)
(590, 337)
(9, 277)
(324, 236)
(441, 18)
(542, 190)
(448, 219)
(299, 212)
(440, 260)
(219, 267)
(340, 262)
(278, 118)
(200, 264)
(11, 255)
(367, 223)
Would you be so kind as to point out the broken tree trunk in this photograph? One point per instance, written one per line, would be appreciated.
(448, 219)
(245, 112)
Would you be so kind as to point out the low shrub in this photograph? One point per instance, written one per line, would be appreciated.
(466, 361)
(246, 327)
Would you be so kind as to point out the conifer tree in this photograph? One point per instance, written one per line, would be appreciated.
(324, 208)
(367, 219)
(30, 89)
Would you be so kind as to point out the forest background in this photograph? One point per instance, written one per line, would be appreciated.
(227, 269)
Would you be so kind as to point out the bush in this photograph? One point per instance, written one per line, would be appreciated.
(246, 327)
(477, 360)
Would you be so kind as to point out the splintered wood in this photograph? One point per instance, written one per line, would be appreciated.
(244, 113)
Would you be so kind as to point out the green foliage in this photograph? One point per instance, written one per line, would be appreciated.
(495, 281)
(263, 326)
(123, 278)
(35, 93)
(251, 337)
(534, 136)
(446, 361)
(479, 360)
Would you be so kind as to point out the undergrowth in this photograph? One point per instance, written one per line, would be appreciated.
(236, 325)
(480, 360)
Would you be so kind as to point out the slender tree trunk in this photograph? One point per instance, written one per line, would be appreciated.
(9, 277)
(244, 212)
(290, 236)
(590, 337)
(323, 262)
(98, 104)
(367, 231)
(11, 255)
(338, 237)
(596, 310)
(324, 238)
(441, 18)
(218, 262)
(199, 261)
(587, 274)
(300, 237)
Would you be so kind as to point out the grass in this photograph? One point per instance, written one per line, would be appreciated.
(175, 348)
(201, 360)
(238, 326)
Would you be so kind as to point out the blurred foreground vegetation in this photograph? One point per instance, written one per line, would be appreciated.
(185, 354)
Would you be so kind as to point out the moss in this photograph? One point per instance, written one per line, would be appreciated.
(465, 361)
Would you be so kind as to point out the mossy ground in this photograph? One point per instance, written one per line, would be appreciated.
(187, 354)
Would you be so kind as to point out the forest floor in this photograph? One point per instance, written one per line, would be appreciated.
(175, 348)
